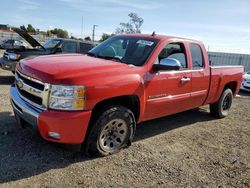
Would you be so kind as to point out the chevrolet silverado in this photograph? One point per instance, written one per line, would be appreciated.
(98, 99)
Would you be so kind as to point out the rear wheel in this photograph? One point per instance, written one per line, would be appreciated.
(221, 108)
(112, 131)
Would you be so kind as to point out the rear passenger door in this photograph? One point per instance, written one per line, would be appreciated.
(200, 74)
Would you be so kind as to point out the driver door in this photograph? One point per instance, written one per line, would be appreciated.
(168, 91)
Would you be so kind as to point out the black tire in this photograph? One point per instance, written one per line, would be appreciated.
(221, 108)
(110, 117)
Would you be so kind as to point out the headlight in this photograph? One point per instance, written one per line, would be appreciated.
(14, 56)
(67, 97)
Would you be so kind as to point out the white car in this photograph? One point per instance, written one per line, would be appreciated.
(245, 85)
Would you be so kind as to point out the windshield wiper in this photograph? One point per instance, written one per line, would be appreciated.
(112, 58)
(92, 54)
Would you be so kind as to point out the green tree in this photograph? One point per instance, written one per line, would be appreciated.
(31, 29)
(87, 38)
(133, 26)
(23, 27)
(72, 37)
(105, 36)
(59, 32)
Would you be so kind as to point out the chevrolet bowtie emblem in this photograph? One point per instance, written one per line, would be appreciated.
(19, 83)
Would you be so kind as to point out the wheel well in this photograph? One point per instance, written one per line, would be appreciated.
(232, 86)
(131, 102)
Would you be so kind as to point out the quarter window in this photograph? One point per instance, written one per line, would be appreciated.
(196, 54)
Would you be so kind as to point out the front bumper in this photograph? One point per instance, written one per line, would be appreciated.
(8, 64)
(70, 127)
(245, 86)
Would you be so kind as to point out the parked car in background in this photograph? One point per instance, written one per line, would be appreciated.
(13, 44)
(1, 43)
(53, 46)
(245, 85)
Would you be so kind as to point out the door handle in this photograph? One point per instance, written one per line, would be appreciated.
(185, 79)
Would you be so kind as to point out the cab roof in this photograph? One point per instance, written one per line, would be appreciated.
(163, 37)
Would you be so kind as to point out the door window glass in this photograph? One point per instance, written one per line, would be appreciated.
(175, 51)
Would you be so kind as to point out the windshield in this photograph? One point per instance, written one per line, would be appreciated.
(125, 49)
(51, 43)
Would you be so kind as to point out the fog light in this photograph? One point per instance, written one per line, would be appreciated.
(54, 135)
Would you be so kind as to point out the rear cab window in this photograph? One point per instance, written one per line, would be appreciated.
(197, 56)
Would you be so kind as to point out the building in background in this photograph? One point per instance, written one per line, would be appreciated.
(7, 33)
(220, 58)
(4, 27)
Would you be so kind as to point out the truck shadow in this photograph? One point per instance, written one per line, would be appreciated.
(168, 123)
(24, 154)
(7, 80)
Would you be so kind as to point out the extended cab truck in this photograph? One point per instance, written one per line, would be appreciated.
(53, 46)
(97, 99)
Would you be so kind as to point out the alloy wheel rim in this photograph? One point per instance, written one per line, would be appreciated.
(113, 135)
(226, 103)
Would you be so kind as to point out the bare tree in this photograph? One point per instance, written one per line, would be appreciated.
(133, 26)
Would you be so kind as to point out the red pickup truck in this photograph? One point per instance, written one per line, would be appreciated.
(97, 99)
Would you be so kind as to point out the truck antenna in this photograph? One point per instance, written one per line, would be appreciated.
(153, 34)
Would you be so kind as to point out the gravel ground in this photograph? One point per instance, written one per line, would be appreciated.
(189, 149)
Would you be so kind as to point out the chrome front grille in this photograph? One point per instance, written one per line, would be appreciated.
(32, 90)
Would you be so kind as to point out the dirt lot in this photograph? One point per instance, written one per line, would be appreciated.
(187, 149)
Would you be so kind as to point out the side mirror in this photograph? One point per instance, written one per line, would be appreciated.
(167, 64)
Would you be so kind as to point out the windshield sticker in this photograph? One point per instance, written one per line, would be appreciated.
(145, 42)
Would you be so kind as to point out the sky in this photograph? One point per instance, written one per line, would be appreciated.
(223, 25)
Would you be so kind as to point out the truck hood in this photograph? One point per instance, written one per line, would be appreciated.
(65, 68)
(33, 42)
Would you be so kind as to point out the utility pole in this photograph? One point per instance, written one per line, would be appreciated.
(82, 28)
(93, 34)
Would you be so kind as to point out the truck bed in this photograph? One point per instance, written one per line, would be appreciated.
(222, 76)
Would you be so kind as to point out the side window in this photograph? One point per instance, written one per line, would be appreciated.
(85, 47)
(69, 47)
(196, 54)
(175, 51)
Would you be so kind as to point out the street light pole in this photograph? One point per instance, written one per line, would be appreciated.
(82, 28)
(93, 34)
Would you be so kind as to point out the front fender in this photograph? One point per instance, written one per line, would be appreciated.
(114, 86)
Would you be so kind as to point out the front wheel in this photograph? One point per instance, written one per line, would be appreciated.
(221, 108)
(113, 130)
